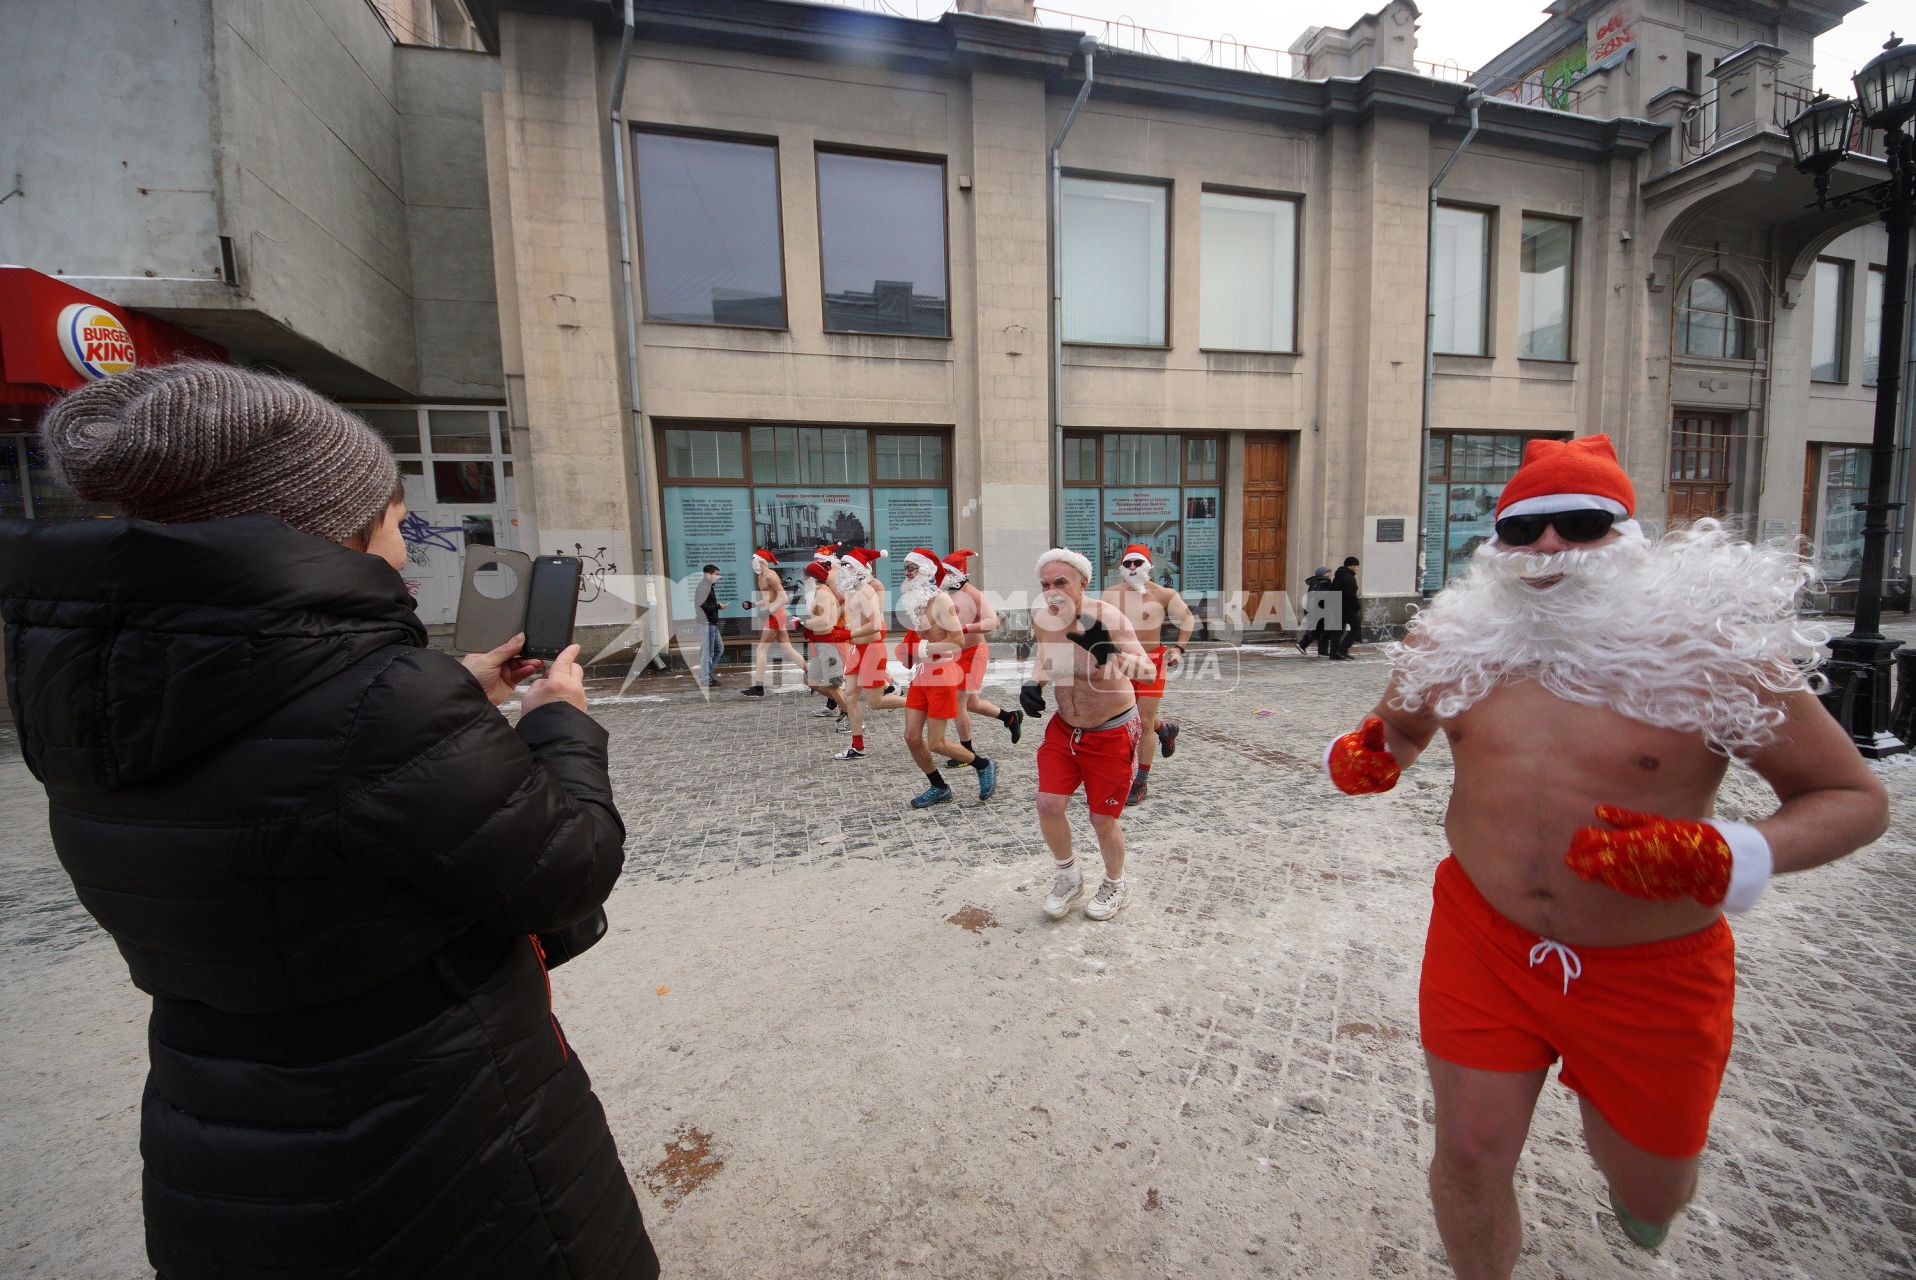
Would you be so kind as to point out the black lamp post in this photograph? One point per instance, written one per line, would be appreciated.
(1859, 670)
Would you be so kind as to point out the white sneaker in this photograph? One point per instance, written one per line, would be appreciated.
(1065, 889)
(850, 753)
(823, 713)
(1111, 898)
(844, 724)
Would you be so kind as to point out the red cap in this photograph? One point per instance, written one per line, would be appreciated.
(1569, 475)
(766, 556)
(867, 556)
(818, 571)
(828, 552)
(1136, 549)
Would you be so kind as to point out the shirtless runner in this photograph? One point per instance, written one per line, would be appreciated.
(979, 620)
(1088, 653)
(866, 684)
(933, 701)
(827, 557)
(830, 642)
(769, 600)
(1148, 605)
(1593, 687)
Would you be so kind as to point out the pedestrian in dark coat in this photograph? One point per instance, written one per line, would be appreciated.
(1319, 610)
(1350, 629)
(318, 846)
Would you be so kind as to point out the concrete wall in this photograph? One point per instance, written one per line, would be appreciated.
(108, 123)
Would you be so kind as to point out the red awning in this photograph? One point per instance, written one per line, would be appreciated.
(34, 365)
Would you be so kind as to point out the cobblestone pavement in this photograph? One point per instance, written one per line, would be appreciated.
(836, 1037)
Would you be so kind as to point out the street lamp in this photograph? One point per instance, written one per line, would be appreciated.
(1859, 670)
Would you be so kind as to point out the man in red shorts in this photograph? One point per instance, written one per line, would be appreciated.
(830, 644)
(979, 620)
(866, 684)
(775, 627)
(932, 702)
(1149, 605)
(1089, 654)
(1594, 686)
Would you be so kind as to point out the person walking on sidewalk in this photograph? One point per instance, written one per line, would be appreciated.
(711, 640)
(932, 703)
(867, 684)
(979, 620)
(318, 846)
(1594, 687)
(1350, 619)
(1320, 596)
(1148, 605)
(769, 600)
(1087, 652)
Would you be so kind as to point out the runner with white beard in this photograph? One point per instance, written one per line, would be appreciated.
(938, 685)
(1594, 687)
(825, 557)
(1149, 605)
(979, 620)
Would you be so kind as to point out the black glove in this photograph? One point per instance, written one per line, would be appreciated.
(1031, 698)
(1097, 641)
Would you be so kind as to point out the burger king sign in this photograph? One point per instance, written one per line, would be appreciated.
(95, 342)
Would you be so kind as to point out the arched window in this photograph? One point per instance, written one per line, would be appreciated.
(1711, 321)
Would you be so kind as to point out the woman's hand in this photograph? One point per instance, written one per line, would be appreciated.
(564, 682)
(502, 670)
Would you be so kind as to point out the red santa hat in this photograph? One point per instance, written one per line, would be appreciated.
(925, 559)
(955, 570)
(826, 554)
(761, 558)
(1136, 549)
(864, 559)
(1569, 475)
(819, 571)
(1067, 556)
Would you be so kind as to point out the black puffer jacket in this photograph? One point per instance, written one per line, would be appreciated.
(321, 849)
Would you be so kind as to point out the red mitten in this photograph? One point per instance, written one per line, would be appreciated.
(908, 649)
(1359, 762)
(1663, 859)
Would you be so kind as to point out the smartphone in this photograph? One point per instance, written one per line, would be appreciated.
(551, 606)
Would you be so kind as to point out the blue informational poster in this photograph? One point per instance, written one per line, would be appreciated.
(707, 526)
(1151, 517)
(792, 523)
(907, 518)
(1078, 518)
(1201, 533)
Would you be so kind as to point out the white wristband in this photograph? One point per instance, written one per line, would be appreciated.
(1750, 864)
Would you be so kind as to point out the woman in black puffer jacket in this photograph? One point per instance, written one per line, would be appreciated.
(318, 846)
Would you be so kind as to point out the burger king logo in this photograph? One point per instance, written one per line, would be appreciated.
(96, 344)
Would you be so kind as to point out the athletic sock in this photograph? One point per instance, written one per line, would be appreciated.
(858, 742)
(978, 761)
(1004, 717)
(1069, 864)
(1119, 881)
(936, 778)
(1144, 768)
(831, 704)
(966, 744)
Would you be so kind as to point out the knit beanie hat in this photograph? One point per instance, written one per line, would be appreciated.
(201, 441)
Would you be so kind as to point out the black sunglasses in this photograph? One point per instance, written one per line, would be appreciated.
(1134, 563)
(1571, 526)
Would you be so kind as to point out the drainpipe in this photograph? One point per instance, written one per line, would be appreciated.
(1089, 47)
(1474, 101)
(631, 320)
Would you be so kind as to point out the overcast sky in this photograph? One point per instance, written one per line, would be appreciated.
(1466, 32)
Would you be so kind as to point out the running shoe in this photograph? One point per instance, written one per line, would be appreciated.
(1137, 791)
(750, 690)
(1645, 1235)
(823, 713)
(1017, 725)
(929, 796)
(1168, 738)
(987, 781)
(844, 724)
(1111, 898)
(850, 753)
(1065, 888)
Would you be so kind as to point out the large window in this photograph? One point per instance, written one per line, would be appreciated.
(729, 490)
(1543, 288)
(1839, 544)
(1711, 321)
(1156, 488)
(1829, 321)
(1114, 261)
(1460, 281)
(709, 231)
(1248, 295)
(1872, 323)
(1464, 473)
(881, 236)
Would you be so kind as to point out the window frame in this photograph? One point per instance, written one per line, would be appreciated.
(662, 457)
(499, 431)
(1489, 310)
(1575, 225)
(1738, 315)
(1296, 201)
(778, 202)
(1870, 371)
(1169, 187)
(820, 149)
(1845, 301)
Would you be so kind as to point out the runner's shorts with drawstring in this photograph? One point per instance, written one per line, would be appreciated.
(1643, 1031)
(1103, 759)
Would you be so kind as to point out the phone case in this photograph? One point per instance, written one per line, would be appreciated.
(487, 621)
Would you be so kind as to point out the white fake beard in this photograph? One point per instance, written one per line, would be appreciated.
(847, 579)
(1138, 578)
(913, 596)
(1696, 633)
(1056, 614)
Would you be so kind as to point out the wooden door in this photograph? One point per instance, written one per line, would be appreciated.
(1699, 466)
(1267, 480)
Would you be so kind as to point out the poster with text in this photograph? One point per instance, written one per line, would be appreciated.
(907, 518)
(793, 523)
(1201, 534)
(707, 526)
(1434, 495)
(1152, 517)
(1078, 520)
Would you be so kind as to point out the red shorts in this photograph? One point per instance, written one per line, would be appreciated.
(1643, 1031)
(975, 660)
(1104, 760)
(1154, 687)
(868, 663)
(936, 689)
(779, 620)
